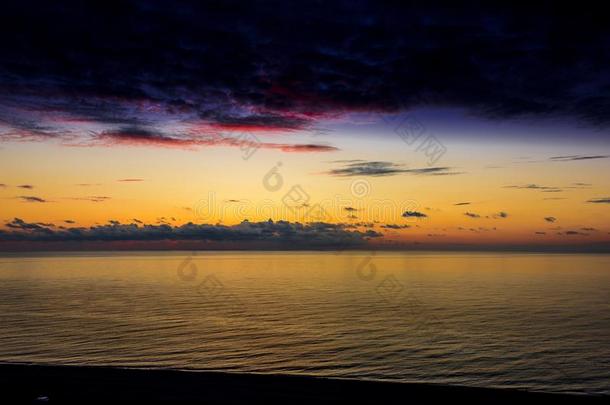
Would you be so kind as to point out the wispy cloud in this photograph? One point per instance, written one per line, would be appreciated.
(544, 189)
(189, 140)
(572, 233)
(384, 168)
(32, 199)
(26, 186)
(605, 200)
(472, 215)
(571, 158)
(300, 148)
(92, 198)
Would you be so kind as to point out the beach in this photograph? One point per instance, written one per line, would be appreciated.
(72, 384)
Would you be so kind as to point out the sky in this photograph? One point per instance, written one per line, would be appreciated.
(319, 125)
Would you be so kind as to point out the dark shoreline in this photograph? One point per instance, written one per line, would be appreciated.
(22, 383)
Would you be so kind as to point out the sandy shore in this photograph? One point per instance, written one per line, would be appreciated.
(67, 384)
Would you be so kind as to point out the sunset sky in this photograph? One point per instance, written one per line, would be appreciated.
(167, 125)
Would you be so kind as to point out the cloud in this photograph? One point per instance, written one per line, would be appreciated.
(381, 168)
(290, 66)
(605, 200)
(130, 180)
(462, 203)
(414, 214)
(550, 219)
(500, 214)
(472, 215)
(359, 225)
(301, 148)
(69, 221)
(367, 169)
(540, 233)
(26, 186)
(544, 189)
(571, 158)
(33, 228)
(191, 139)
(395, 226)
(92, 198)
(315, 234)
(350, 209)
(572, 233)
(32, 199)
(2, 185)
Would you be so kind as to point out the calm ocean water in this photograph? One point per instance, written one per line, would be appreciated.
(531, 321)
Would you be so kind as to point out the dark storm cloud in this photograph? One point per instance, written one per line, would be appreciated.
(380, 168)
(311, 234)
(276, 65)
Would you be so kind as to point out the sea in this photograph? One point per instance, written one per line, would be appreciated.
(529, 321)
